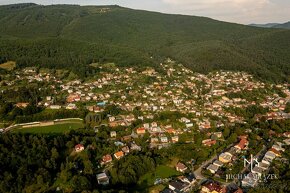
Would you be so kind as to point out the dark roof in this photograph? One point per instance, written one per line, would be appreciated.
(166, 190)
(177, 185)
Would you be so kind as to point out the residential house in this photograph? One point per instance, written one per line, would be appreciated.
(208, 142)
(141, 131)
(213, 168)
(211, 187)
(106, 159)
(113, 134)
(180, 167)
(103, 179)
(242, 144)
(225, 157)
(135, 147)
(174, 139)
(270, 155)
(258, 170)
(178, 186)
(126, 150)
(79, 148)
(118, 155)
(218, 163)
(164, 139)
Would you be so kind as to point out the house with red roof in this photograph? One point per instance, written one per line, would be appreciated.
(79, 148)
(106, 159)
(141, 131)
(242, 144)
(212, 187)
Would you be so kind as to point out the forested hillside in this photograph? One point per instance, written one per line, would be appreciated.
(71, 36)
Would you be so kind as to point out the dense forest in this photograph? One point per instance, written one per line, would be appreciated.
(71, 36)
(46, 163)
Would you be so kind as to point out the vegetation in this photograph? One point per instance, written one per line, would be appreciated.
(58, 128)
(73, 37)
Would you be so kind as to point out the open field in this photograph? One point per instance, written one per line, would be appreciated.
(8, 65)
(58, 128)
(161, 171)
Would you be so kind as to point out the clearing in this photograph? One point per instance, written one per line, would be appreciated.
(57, 128)
(10, 65)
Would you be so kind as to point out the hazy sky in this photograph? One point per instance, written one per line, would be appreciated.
(239, 11)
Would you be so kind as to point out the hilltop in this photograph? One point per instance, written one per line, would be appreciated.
(72, 36)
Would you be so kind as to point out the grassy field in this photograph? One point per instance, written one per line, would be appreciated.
(59, 128)
(8, 65)
(161, 171)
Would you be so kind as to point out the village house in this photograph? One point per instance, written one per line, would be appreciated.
(212, 187)
(79, 148)
(174, 139)
(225, 157)
(126, 150)
(113, 134)
(212, 168)
(106, 159)
(141, 131)
(103, 179)
(242, 144)
(180, 167)
(178, 186)
(164, 139)
(118, 155)
(208, 142)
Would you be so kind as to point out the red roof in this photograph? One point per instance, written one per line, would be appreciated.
(242, 144)
(141, 130)
(275, 151)
(107, 158)
(79, 146)
(213, 187)
(210, 143)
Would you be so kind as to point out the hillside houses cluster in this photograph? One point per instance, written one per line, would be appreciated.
(226, 157)
(180, 90)
(253, 178)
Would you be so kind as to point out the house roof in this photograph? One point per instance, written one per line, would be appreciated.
(177, 185)
(242, 144)
(213, 186)
(275, 151)
(107, 158)
(79, 146)
(181, 166)
(119, 154)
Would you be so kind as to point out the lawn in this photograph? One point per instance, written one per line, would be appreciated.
(59, 128)
(161, 171)
(8, 65)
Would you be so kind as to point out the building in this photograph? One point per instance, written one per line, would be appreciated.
(126, 149)
(242, 144)
(103, 179)
(208, 142)
(178, 186)
(212, 168)
(257, 170)
(180, 167)
(106, 159)
(141, 131)
(225, 157)
(79, 148)
(175, 139)
(113, 134)
(211, 187)
(164, 139)
(119, 155)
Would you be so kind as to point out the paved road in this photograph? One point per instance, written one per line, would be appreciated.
(197, 172)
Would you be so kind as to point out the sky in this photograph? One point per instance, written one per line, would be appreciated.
(237, 11)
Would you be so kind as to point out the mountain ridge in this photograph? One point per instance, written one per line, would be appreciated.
(73, 36)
